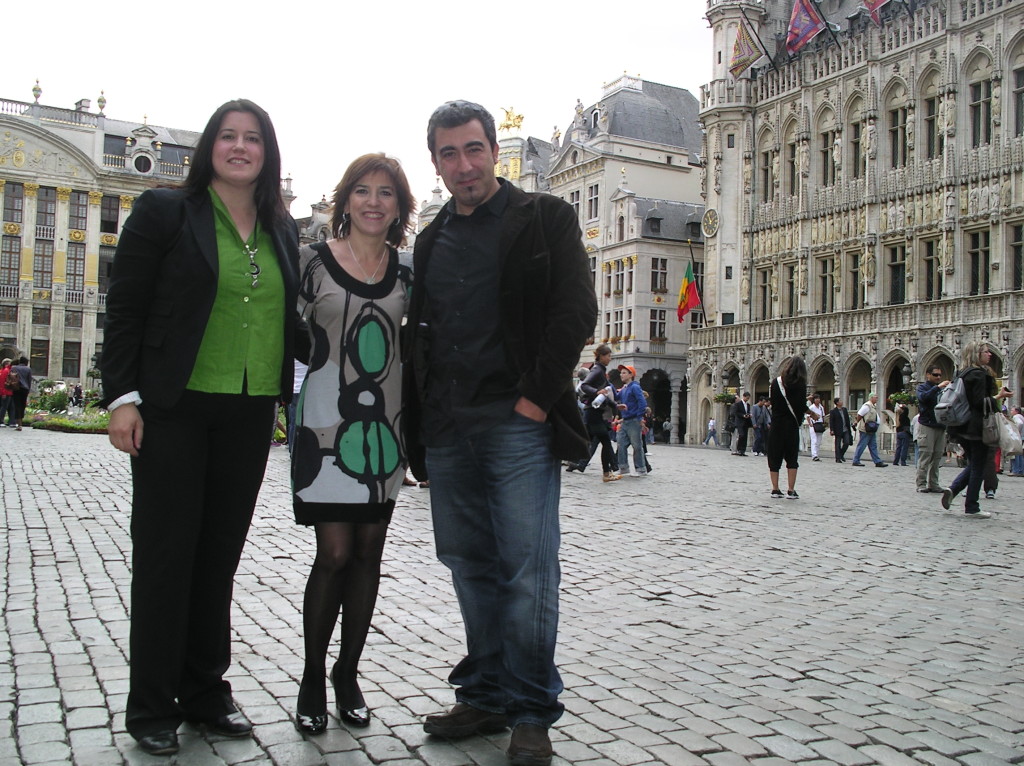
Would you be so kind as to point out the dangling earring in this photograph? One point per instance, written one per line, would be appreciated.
(346, 219)
(396, 221)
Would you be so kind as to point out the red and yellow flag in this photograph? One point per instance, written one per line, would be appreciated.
(688, 298)
(745, 52)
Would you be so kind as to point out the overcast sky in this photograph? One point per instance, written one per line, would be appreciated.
(340, 78)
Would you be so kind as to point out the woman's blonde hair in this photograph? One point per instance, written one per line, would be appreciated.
(971, 356)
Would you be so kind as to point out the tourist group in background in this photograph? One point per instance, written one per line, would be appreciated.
(788, 422)
(621, 415)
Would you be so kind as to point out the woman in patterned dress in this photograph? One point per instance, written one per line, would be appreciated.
(348, 460)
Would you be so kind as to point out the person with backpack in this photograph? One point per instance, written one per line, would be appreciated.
(931, 435)
(979, 383)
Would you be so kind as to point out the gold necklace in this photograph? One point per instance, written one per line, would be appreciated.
(372, 278)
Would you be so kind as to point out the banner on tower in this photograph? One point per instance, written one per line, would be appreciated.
(804, 24)
(745, 51)
(873, 7)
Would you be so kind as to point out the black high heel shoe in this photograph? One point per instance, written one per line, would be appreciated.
(358, 717)
(311, 724)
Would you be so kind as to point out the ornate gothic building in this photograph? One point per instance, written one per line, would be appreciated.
(865, 197)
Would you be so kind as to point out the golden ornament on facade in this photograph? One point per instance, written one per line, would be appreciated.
(127, 201)
(14, 229)
(108, 239)
(31, 190)
(591, 233)
(63, 193)
(514, 168)
(95, 197)
(76, 235)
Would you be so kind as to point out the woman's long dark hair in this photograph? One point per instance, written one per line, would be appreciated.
(794, 374)
(269, 202)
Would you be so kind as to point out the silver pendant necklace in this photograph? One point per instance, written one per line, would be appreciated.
(254, 268)
(372, 278)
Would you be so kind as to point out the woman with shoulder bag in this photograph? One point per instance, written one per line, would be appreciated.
(980, 386)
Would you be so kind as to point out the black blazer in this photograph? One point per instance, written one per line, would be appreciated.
(548, 310)
(162, 289)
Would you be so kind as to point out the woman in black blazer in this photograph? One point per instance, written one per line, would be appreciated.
(197, 351)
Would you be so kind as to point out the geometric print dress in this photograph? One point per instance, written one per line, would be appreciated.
(348, 459)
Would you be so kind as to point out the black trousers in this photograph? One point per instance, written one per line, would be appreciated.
(195, 484)
(741, 443)
(842, 443)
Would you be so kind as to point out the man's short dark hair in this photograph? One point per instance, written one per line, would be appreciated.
(452, 114)
(837, 400)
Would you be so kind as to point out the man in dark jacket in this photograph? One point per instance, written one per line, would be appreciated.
(502, 305)
(931, 435)
(839, 427)
(741, 421)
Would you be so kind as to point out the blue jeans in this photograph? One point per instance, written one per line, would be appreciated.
(871, 442)
(977, 455)
(1017, 466)
(630, 433)
(712, 434)
(902, 448)
(494, 499)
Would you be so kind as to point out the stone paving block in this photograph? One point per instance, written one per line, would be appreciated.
(787, 748)
(622, 752)
(737, 743)
(886, 756)
(843, 734)
(941, 744)
(841, 753)
(796, 731)
(51, 752)
(726, 759)
(983, 759)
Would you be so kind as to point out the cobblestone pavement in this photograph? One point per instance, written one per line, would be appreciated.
(702, 622)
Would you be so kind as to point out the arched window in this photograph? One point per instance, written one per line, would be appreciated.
(931, 126)
(896, 124)
(855, 137)
(979, 91)
(830, 148)
(792, 170)
(620, 229)
(767, 160)
(1017, 83)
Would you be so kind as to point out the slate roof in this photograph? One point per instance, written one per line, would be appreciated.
(660, 114)
(676, 218)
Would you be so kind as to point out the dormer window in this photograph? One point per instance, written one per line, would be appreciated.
(594, 117)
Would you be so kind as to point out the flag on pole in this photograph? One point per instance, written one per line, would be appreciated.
(873, 7)
(804, 24)
(688, 298)
(745, 52)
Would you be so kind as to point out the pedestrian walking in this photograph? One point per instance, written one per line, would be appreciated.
(867, 422)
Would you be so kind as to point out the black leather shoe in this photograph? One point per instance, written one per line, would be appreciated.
(359, 717)
(530, 746)
(311, 724)
(463, 721)
(160, 743)
(228, 725)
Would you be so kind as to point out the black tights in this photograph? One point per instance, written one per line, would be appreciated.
(344, 580)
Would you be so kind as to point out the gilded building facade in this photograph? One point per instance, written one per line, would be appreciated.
(68, 179)
(866, 196)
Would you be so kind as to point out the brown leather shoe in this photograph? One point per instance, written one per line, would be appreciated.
(464, 721)
(530, 746)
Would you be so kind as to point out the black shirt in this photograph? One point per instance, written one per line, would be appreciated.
(470, 386)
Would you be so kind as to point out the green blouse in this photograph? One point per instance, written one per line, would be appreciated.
(244, 338)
